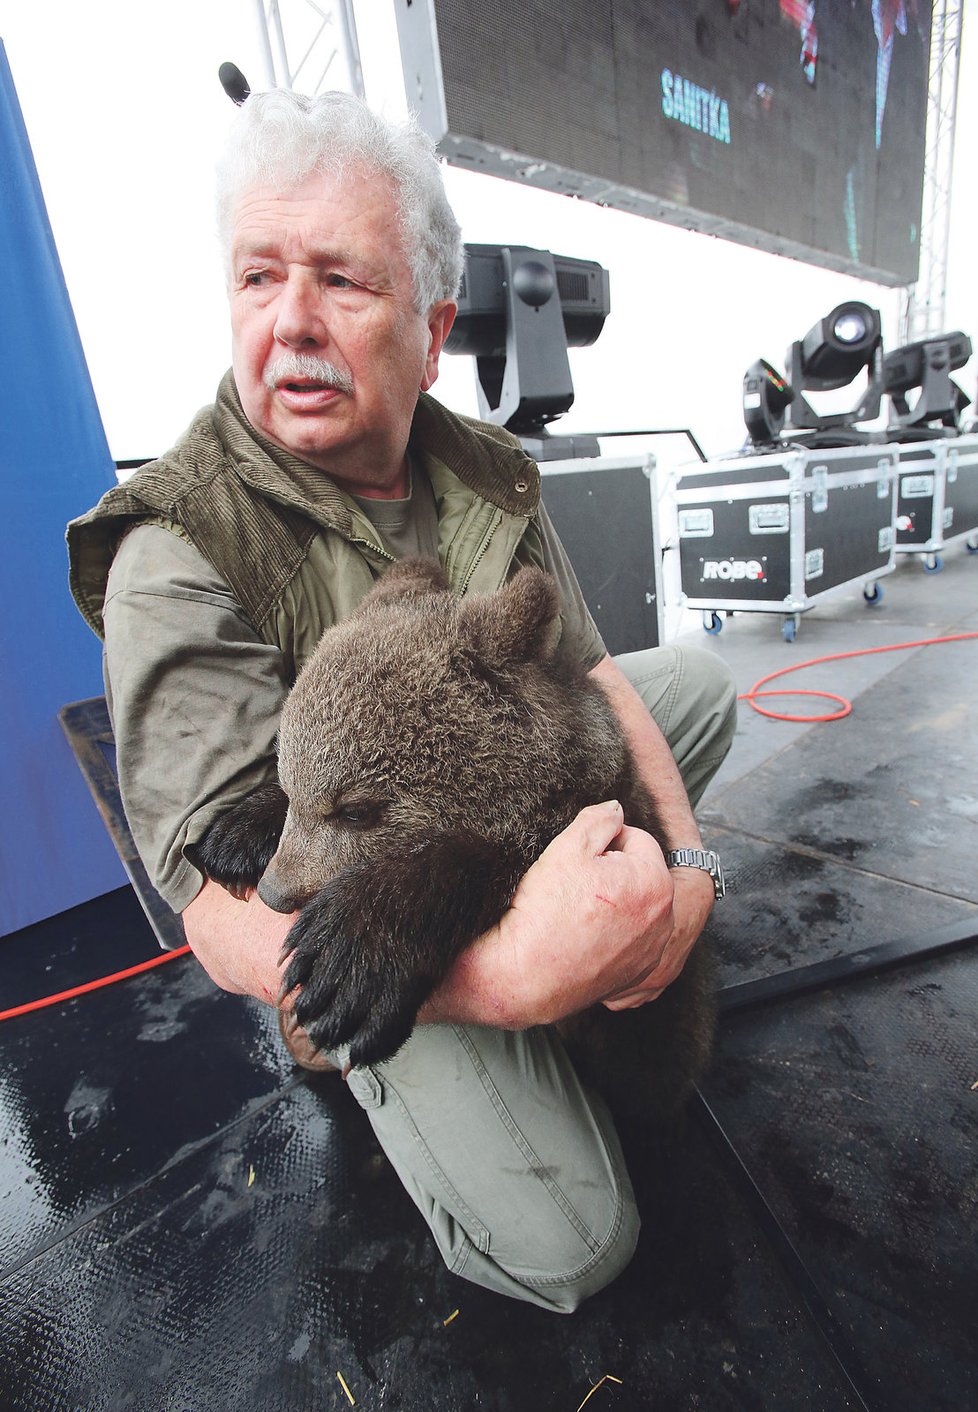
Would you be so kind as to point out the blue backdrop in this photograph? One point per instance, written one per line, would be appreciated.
(54, 464)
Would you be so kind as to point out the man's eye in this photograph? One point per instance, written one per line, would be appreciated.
(254, 279)
(336, 281)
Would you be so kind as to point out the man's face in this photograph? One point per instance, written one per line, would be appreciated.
(319, 270)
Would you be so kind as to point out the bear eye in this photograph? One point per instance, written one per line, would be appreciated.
(359, 813)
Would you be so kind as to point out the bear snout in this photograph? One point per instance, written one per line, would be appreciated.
(275, 893)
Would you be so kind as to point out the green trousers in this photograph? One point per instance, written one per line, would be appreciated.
(515, 1166)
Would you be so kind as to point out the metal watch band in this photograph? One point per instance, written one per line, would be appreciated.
(703, 858)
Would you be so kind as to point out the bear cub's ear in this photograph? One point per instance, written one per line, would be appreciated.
(519, 623)
(408, 578)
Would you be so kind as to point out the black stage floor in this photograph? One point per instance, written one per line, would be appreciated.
(188, 1222)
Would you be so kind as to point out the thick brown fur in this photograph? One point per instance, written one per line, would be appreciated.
(429, 751)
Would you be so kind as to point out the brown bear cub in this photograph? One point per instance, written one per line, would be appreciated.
(430, 750)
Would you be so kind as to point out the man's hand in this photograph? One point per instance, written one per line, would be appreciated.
(693, 900)
(239, 944)
(594, 919)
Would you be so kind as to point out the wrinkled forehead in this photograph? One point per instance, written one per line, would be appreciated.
(340, 194)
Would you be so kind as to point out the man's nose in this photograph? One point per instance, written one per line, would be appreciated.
(300, 316)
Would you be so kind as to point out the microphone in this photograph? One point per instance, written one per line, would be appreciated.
(234, 83)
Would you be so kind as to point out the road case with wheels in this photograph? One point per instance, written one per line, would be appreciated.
(775, 533)
(937, 496)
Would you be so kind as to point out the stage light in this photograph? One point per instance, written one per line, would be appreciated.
(839, 346)
(832, 354)
(927, 365)
(519, 310)
(765, 398)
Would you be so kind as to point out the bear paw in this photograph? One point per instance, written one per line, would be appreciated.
(349, 994)
(370, 948)
(240, 843)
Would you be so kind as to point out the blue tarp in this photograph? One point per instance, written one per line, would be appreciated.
(54, 464)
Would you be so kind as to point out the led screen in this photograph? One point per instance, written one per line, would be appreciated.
(794, 125)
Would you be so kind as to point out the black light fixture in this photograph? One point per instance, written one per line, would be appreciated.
(927, 365)
(519, 310)
(766, 396)
(831, 355)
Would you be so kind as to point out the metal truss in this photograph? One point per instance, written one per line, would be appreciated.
(922, 311)
(323, 33)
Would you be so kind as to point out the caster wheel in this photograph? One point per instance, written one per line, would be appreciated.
(873, 595)
(712, 623)
(789, 629)
(933, 564)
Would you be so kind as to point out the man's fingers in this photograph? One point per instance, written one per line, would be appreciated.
(599, 825)
(641, 846)
(592, 832)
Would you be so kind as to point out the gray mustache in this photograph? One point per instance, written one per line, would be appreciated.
(306, 365)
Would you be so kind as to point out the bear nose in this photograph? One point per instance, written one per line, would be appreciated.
(275, 894)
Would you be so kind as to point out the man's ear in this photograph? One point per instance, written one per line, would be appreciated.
(519, 623)
(440, 318)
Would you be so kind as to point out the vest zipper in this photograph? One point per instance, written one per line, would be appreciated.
(377, 548)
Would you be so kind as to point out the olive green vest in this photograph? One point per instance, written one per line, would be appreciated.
(296, 565)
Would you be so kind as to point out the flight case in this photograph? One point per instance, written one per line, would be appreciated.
(937, 496)
(775, 533)
(605, 513)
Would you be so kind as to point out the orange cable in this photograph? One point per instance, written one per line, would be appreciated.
(94, 985)
(846, 706)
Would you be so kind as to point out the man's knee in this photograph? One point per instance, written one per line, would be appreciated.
(709, 688)
(708, 680)
(566, 1291)
(553, 1254)
(691, 695)
(564, 1274)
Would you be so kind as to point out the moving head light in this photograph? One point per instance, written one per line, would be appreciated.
(519, 310)
(832, 353)
(839, 346)
(766, 396)
(927, 365)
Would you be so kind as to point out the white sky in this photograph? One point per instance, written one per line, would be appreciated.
(126, 115)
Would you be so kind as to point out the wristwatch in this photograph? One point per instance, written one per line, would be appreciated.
(703, 858)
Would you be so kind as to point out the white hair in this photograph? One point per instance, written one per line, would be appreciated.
(279, 138)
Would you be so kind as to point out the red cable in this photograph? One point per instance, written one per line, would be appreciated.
(750, 696)
(94, 985)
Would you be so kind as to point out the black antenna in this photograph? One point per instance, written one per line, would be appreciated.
(234, 83)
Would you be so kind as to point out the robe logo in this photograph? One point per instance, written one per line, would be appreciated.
(751, 569)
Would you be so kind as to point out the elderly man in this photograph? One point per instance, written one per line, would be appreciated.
(214, 571)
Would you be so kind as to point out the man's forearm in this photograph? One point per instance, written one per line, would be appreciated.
(239, 944)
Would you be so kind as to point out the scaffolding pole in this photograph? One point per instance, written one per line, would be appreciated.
(923, 304)
(322, 33)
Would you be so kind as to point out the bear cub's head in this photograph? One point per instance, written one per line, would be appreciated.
(423, 714)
